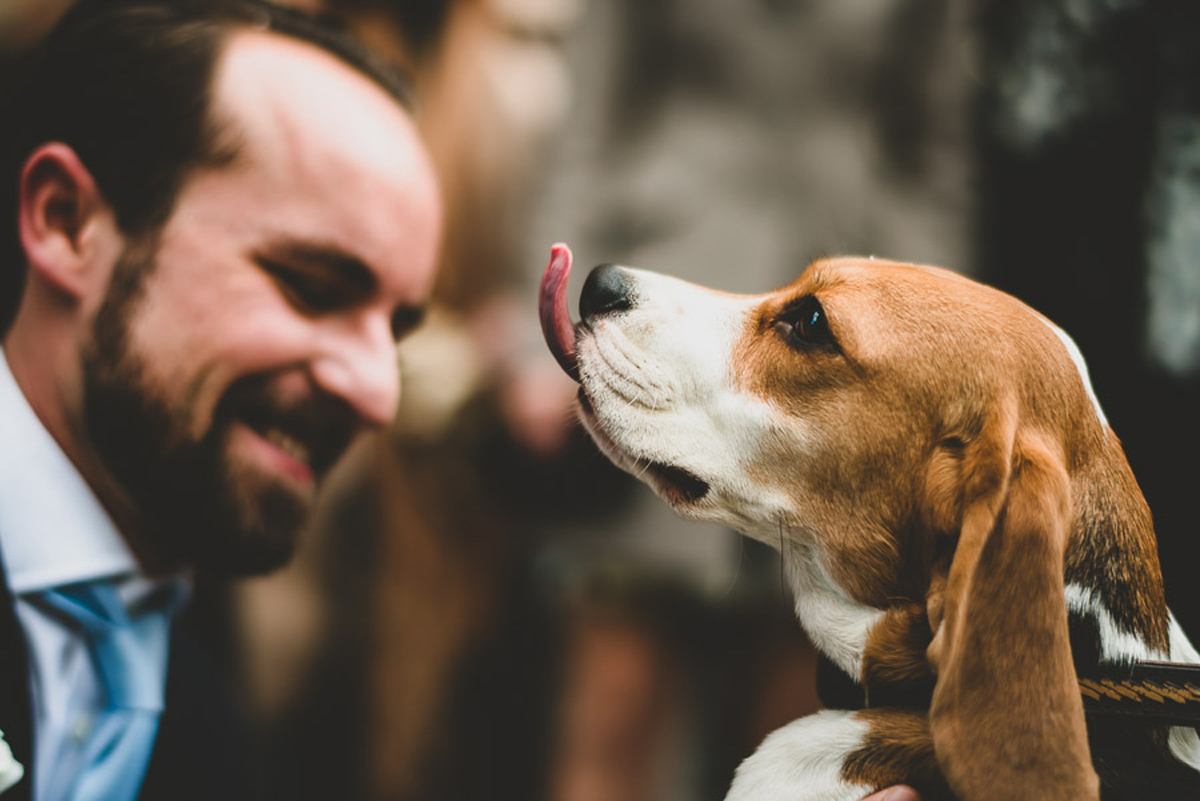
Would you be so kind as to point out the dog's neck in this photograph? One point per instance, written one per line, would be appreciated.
(1112, 533)
(837, 624)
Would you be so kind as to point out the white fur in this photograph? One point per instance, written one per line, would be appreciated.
(837, 624)
(802, 761)
(1116, 644)
(1182, 649)
(1080, 365)
(659, 376)
(1185, 745)
(1182, 740)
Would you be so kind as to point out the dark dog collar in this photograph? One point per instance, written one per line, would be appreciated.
(1166, 693)
(1154, 693)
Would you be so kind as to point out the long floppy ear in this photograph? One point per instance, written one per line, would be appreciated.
(1007, 718)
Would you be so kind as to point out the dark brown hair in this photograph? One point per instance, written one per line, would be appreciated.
(127, 84)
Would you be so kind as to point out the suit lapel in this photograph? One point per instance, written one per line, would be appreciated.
(204, 749)
(16, 712)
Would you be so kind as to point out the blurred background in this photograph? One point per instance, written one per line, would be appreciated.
(484, 607)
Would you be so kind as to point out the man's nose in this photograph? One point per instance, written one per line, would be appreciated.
(358, 363)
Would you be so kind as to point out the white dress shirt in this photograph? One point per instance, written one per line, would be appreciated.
(53, 532)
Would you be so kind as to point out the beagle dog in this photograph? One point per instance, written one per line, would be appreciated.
(958, 524)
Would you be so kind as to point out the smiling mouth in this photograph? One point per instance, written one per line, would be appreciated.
(678, 486)
(293, 447)
(311, 446)
(288, 455)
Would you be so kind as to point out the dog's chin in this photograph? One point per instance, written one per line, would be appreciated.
(677, 486)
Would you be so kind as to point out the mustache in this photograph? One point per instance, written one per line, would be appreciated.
(324, 424)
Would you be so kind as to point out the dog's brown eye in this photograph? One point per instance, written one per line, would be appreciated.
(803, 325)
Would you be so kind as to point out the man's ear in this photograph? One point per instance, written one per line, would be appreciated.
(67, 228)
(1007, 717)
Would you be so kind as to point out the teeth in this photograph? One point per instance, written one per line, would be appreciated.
(288, 444)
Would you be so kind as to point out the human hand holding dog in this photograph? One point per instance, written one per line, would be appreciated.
(899, 792)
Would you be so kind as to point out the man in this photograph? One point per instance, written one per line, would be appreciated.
(221, 220)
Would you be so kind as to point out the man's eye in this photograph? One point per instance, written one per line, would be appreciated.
(304, 290)
(804, 325)
(405, 320)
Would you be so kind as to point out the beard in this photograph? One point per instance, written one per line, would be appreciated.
(196, 505)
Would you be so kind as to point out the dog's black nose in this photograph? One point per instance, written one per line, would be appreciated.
(607, 289)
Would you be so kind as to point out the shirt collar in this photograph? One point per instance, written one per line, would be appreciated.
(53, 529)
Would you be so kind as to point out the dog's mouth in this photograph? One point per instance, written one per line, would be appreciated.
(677, 486)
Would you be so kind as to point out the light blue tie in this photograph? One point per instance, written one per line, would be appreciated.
(132, 674)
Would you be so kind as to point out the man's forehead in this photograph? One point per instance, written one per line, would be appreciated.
(278, 88)
(325, 155)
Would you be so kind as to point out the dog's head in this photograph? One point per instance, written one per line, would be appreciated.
(925, 436)
(865, 402)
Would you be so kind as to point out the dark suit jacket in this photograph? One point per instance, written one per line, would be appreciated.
(203, 751)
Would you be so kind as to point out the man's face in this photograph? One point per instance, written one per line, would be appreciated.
(233, 360)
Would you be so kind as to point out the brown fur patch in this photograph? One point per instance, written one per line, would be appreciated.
(898, 749)
(1113, 551)
(894, 658)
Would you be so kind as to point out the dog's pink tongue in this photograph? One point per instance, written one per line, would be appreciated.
(552, 309)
